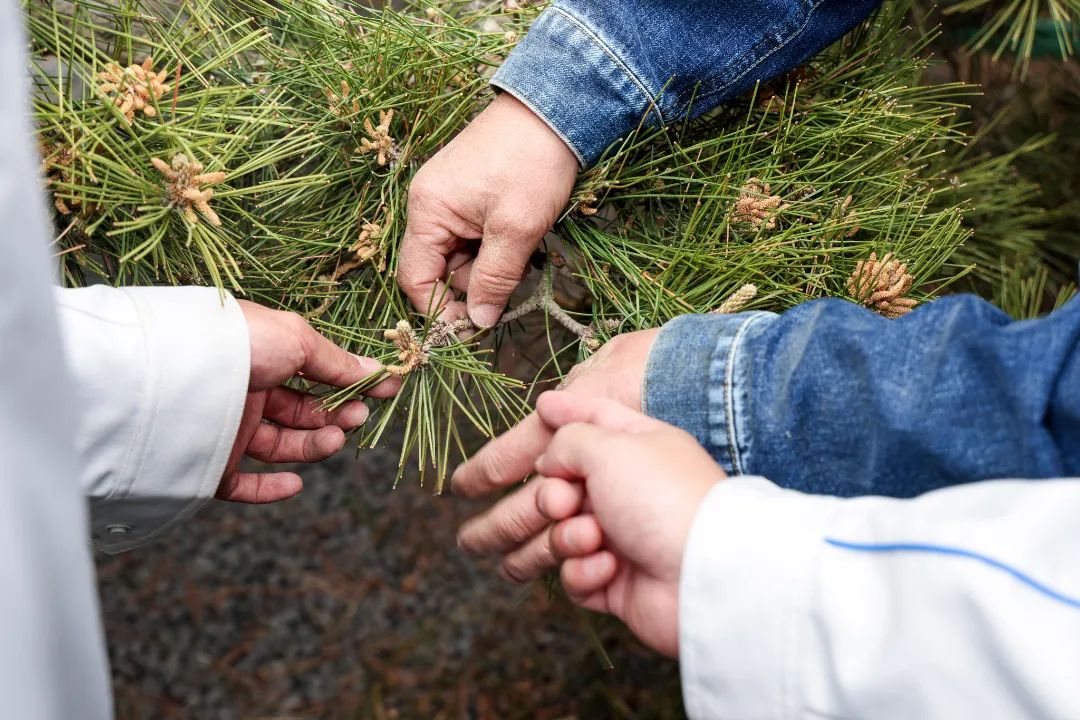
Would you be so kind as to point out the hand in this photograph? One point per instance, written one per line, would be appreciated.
(503, 180)
(615, 372)
(623, 490)
(284, 425)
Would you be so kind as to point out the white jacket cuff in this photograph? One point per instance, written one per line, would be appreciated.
(744, 597)
(162, 374)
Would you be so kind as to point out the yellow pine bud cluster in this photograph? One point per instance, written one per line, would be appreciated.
(757, 205)
(882, 284)
(587, 206)
(134, 88)
(738, 300)
(370, 245)
(343, 100)
(378, 140)
(411, 353)
(188, 186)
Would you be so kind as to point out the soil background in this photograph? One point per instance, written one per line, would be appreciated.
(353, 601)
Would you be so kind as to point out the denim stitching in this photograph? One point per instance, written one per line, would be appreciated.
(809, 16)
(729, 395)
(615, 58)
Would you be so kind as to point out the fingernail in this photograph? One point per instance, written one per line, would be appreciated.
(485, 316)
(368, 365)
(354, 415)
(570, 535)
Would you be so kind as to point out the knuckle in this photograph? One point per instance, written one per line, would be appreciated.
(546, 551)
(499, 279)
(611, 354)
(488, 471)
(615, 346)
(523, 228)
(408, 280)
(533, 229)
(513, 526)
(533, 224)
(423, 189)
(295, 322)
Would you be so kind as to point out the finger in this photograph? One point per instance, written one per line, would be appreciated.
(274, 444)
(323, 361)
(577, 536)
(426, 257)
(585, 576)
(557, 408)
(559, 499)
(459, 278)
(259, 487)
(304, 411)
(597, 602)
(506, 460)
(579, 451)
(518, 517)
(530, 561)
(385, 389)
(421, 267)
(500, 264)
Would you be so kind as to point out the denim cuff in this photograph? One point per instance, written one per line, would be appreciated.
(564, 72)
(698, 378)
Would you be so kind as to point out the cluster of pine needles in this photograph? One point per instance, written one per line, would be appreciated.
(267, 148)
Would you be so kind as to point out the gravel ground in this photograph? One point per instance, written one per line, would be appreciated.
(352, 601)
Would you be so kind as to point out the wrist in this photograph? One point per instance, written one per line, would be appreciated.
(529, 126)
(568, 75)
(697, 377)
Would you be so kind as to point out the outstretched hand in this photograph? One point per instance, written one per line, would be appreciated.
(618, 492)
(281, 425)
(503, 182)
(615, 372)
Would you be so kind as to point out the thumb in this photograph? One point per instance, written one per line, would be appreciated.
(500, 263)
(558, 408)
(578, 451)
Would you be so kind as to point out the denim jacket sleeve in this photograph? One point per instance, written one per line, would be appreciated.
(832, 398)
(594, 69)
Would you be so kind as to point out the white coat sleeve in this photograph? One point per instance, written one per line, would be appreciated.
(162, 376)
(961, 603)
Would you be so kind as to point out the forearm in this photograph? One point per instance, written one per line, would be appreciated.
(161, 376)
(964, 602)
(831, 398)
(597, 69)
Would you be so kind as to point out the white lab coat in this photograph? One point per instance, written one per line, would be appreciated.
(962, 603)
(129, 397)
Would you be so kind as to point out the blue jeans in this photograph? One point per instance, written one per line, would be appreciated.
(594, 69)
(831, 398)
